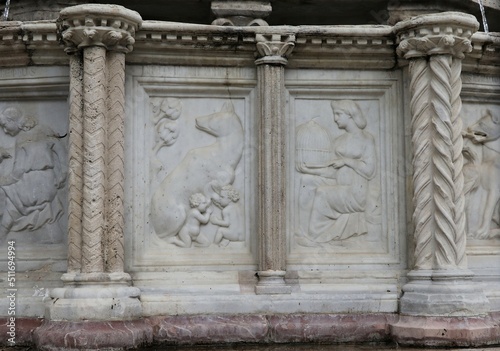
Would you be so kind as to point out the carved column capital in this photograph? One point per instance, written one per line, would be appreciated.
(446, 33)
(274, 48)
(110, 26)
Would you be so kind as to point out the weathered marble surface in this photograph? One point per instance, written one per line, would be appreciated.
(300, 170)
(33, 181)
(93, 335)
(193, 196)
(339, 213)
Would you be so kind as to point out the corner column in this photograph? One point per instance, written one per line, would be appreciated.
(440, 286)
(273, 51)
(96, 287)
(97, 37)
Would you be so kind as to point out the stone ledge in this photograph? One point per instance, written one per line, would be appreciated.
(258, 329)
(446, 331)
(25, 328)
(295, 328)
(111, 335)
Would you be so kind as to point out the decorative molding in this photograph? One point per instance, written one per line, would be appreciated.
(25, 43)
(364, 46)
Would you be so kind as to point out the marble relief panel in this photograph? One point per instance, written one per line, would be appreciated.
(482, 172)
(345, 170)
(194, 167)
(481, 150)
(34, 163)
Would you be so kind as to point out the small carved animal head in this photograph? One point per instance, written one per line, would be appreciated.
(220, 123)
(486, 129)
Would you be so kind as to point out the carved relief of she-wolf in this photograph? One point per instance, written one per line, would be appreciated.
(482, 173)
(201, 167)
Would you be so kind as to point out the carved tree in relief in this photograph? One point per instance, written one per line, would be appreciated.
(166, 113)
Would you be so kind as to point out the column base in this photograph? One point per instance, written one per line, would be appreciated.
(93, 335)
(445, 331)
(272, 282)
(95, 297)
(443, 293)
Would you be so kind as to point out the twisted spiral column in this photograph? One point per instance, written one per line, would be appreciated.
(435, 45)
(458, 162)
(442, 162)
(421, 137)
(437, 165)
(439, 283)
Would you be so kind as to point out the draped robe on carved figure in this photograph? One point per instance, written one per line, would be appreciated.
(334, 196)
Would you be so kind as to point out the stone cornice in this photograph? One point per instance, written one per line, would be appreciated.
(109, 26)
(351, 47)
(436, 34)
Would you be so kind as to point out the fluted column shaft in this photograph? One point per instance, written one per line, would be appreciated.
(272, 163)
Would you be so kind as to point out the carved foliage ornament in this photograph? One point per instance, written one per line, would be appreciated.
(109, 26)
(437, 34)
(274, 48)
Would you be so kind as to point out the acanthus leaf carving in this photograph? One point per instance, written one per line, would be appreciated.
(436, 34)
(274, 48)
(434, 45)
(112, 27)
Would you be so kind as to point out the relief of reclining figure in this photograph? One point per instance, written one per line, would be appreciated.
(200, 171)
(482, 176)
(29, 194)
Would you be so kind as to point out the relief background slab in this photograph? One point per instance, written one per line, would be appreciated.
(194, 92)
